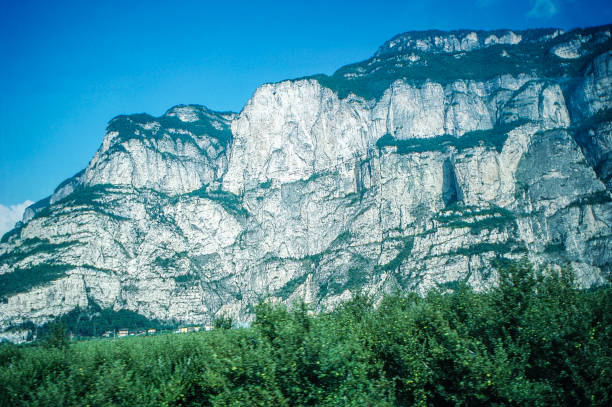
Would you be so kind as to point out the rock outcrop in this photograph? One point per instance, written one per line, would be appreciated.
(441, 157)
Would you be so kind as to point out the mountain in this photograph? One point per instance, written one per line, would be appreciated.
(440, 158)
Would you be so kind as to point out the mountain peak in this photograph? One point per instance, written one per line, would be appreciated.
(437, 41)
(470, 149)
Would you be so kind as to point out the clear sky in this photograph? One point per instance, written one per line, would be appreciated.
(68, 67)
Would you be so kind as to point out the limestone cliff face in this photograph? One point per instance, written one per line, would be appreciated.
(463, 40)
(182, 151)
(395, 172)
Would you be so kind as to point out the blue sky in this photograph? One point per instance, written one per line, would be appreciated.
(70, 66)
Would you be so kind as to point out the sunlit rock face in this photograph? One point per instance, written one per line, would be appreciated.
(179, 152)
(421, 167)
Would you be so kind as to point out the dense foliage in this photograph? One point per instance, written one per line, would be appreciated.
(533, 340)
(93, 321)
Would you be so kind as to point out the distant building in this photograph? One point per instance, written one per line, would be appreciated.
(108, 334)
(123, 332)
(185, 329)
(151, 331)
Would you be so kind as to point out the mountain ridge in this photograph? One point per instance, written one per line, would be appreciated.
(317, 189)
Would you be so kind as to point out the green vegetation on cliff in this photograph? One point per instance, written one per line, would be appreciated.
(492, 138)
(22, 280)
(372, 77)
(533, 340)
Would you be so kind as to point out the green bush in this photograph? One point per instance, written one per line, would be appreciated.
(56, 336)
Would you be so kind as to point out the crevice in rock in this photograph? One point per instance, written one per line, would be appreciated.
(451, 192)
(593, 147)
(358, 177)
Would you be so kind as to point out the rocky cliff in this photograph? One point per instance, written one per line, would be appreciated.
(439, 158)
